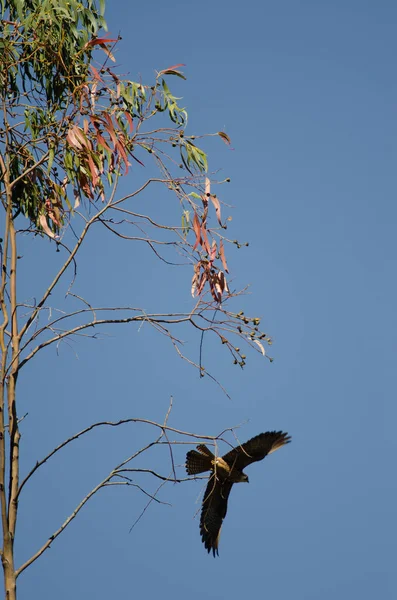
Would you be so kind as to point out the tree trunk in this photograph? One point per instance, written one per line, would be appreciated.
(10, 583)
(9, 503)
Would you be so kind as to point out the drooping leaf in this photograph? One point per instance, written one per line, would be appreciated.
(205, 241)
(129, 119)
(110, 128)
(107, 52)
(257, 342)
(212, 253)
(51, 156)
(222, 255)
(224, 137)
(218, 286)
(185, 219)
(96, 74)
(217, 207)
(197, 230)
(45, 227)
(195, 278)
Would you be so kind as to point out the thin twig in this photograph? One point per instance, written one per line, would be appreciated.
(147, 505)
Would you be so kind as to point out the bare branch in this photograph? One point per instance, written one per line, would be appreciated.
(162, 427)
(172, 479)
(53, 537)
(131, 484)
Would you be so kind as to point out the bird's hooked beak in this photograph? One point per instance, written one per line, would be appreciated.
(247, 480)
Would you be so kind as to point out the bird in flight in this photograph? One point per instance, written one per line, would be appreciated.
(225, 471)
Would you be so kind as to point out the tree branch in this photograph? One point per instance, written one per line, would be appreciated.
(162, 427)
(53, 537)
(67, 262)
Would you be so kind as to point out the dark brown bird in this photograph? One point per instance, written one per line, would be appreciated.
(226, 471)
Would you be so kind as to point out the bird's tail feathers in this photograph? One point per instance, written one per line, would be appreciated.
(202, 448)
(199, 462)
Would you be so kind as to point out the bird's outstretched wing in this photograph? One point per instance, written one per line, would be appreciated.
(256, 449)
(213, 512)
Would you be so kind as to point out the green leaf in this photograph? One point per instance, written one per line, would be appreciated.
(165, 88)
(68, 204)
(185, 220)
(90, 18)
(19, 8)
(68, 159)
(102, 23)
(51, 156)
(197, 156)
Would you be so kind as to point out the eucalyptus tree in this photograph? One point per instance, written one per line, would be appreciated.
(71, 128)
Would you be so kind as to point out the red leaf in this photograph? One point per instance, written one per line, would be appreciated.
(205, 213)
(93, 170)
(114, 76)
(95, 119)
(81, 138)
(197, 230)
(129, 119)
(213, 252)
(44, 224)
(107, 52)
(110, 128)
(218, 286)
(72, 138)
(101, 140)
(223, 282)
(217, 207)
(206, 243)
(172, 71)
(120, 148)
(101, 41)
(222, 255)
(173, 67)
(96, 74)
(84, 184)
(51, 213)
(203, 279)
(224, 137)
(214, 291)
(195, 278)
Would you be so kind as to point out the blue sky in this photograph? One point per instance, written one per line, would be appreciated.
(307, 92)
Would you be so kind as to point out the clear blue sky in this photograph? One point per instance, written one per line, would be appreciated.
(307, 92)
